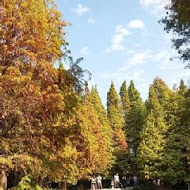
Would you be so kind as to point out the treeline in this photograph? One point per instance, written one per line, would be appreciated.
(157, 131)
(53, 128)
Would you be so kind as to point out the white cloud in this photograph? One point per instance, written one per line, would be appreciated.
(118, 39)
(161, 55)
(163, 58)
(136, 75)
(156, 6)
(131, 69)
(91, 20)
(137, 58)
(84, 51)
(185, 74)
(143, 87)
(137, 24)
(150, 2)
(81, 9)
(140, 58)
(119, 77)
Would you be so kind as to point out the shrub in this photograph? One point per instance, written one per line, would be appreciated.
(27, 183)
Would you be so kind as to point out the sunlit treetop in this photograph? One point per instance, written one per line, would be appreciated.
(31, 32)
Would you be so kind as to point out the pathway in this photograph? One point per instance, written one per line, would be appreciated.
(127, 188)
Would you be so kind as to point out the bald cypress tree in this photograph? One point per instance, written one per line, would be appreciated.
(150, 150)
(92, 139)
(115, 117)
(102, 116)
(184, 131)
(155, 131)
(101, 111)
(135, 118)
(114, 108)
(176, 155)
(125, 103)
(182, 88)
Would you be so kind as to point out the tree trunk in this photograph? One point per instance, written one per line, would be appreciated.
(3, 179)
(63, 186)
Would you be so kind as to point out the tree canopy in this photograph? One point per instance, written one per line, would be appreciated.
(54, 129)
(177, 20)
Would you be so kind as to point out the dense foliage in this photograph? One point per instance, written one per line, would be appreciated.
(54, 129)
(49, 129)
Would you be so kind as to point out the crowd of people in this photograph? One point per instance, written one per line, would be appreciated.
(116, 182)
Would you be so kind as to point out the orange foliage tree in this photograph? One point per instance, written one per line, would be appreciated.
(45, 127)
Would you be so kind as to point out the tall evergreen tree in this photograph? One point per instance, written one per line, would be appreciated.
(114, 109)
(182, 88)
(101, 111)
(150, 150)
(125, 102)
(155, 130)
(162, 91)
(176, 155)
(135, 119)
(115, 117)
(184, 128)
(91, 139)
(102, 116)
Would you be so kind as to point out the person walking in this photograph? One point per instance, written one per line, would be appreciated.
(124, 181)
(99, 182)
(112, 184)
(93, 183)
(128, 182)
(116, 181)
(131, 181)
(135, 180)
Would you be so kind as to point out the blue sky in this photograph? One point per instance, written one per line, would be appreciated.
(121, 40)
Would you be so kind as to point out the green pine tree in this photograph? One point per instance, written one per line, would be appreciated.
(102, 116)
(150, 150)
(101, 111)
(135, 119)
(182, 88)
(125, 103)
(115, 117)
(114, 108)
(92, 139)
(176, 155)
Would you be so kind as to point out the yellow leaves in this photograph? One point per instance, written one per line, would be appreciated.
(37, 110)
(6, 162)
(33, 31)
(90, 142)
(12, 71)
(4, 47)
(26, 162)
(64, 164)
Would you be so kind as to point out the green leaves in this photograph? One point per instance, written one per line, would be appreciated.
(27, 183)
(150, 151)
